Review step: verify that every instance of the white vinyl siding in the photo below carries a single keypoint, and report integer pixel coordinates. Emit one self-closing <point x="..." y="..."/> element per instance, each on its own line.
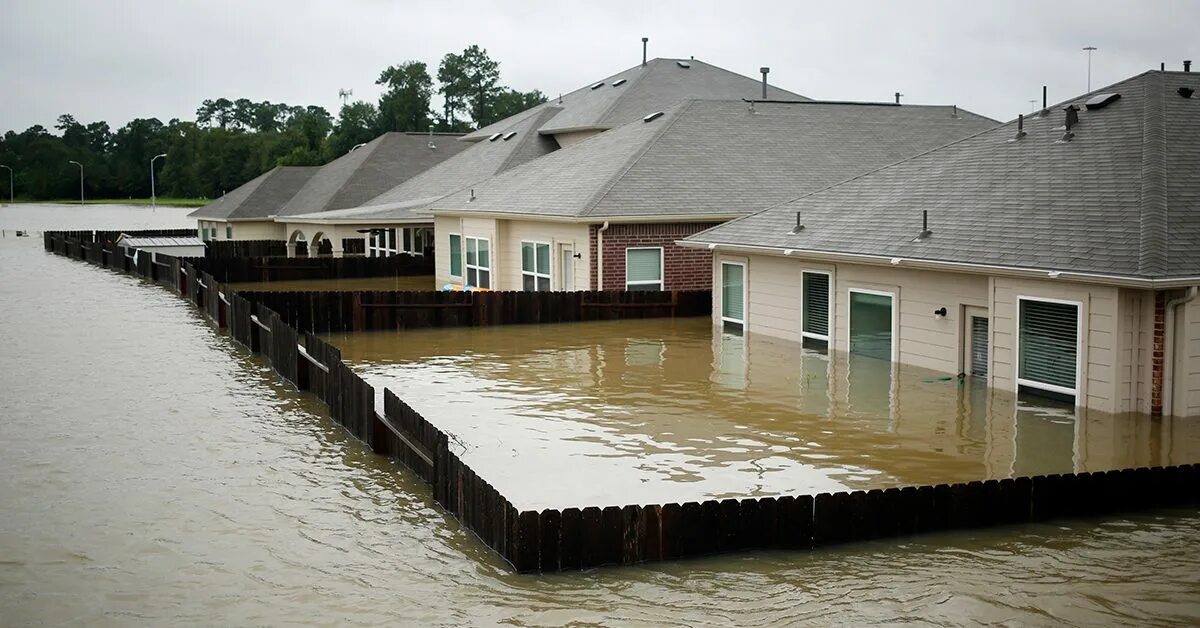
<point x="1048" y="334"/>
<point x="479" y="262"/>
<point x="644" y="268"/>
<point x="535" y="266"/>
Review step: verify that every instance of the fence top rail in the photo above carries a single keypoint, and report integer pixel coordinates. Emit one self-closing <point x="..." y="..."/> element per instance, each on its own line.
<point x="254" y="319"/>
<point x="304" y="354"/>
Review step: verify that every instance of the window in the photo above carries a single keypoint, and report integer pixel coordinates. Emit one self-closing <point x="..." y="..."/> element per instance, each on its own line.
<point x="733" y="293"/>
<point x="204" y="231"/>
<point x="644" y="269"/>
<point x="228" y="232"/>
<point x="535" y="266"/>
<point x="407" y="240"/>
<point x="871" y="324"/>
<point x="382" y="243"/>
<point x="479" y="263"/>
<point x="456" y="255"/>
<point x="814" y="313"/>
<point x="1048" y="346"/>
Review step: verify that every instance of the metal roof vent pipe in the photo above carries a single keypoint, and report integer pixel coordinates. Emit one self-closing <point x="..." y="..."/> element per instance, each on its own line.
<point x="925" y="232"/>
<point x="1045" y="111"/>
<point x="645" y="40"/>
<point x="472" y="199"/>
<point x="799" y="226"/>
<point x="1020" y="127"/>
<point x="1187" y="65"/>
<point x="898" y="95"/>
<point x="765" y="71"/>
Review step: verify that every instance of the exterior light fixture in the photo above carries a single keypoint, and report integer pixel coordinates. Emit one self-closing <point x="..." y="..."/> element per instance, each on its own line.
<point x="939" y="313"/>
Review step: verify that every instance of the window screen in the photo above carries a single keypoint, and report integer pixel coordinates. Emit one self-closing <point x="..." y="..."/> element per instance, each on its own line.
<point x="456" y="255"/>
<point x="1049" y="343"/>
<point x="733" y="292"/>
<point x="643" y="269"/>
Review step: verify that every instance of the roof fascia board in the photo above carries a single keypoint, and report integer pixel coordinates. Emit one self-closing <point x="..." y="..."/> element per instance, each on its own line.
<point x="584" y="219"/>
<point x="965" y="267"/>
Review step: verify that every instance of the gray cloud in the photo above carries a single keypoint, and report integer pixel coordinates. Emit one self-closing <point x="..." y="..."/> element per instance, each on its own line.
<point x="122" y="59"/>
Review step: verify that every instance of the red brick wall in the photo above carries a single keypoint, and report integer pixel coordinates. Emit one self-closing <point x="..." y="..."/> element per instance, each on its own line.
<point x="683" y="269"/>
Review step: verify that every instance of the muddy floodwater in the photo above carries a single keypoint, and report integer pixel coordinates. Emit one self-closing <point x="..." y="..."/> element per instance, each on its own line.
<point x="661" y="410"/>
<point x="420" y="282"/>
<point x="152" y="473"/>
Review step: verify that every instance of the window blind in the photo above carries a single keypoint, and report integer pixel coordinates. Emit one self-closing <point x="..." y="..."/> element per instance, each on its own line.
<point x="1049" y="342"/>
<point x="816" y="303"/>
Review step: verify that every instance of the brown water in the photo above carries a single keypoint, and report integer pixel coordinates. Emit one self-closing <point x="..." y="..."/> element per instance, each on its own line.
<point x="154" y="474"/>
<point x="661" y="411"/>
<point x="421" y="282"/>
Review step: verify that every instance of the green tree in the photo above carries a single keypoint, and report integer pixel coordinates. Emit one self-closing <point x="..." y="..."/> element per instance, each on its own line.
<point x="469" y="82"/>
<point x="510" y="102"/>
<point x="404" y="104"/>
<point x="356" y="124"/>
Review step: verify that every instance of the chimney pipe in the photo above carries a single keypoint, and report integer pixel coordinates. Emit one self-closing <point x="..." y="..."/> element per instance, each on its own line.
<point x="1044" y="110"/>
<point x="644" y="40"/>
<point x="765" y="70"/>
<point x="1020" y="125"/>
<point x="1162" y="66"/>
<point x="898" y="95"/>
<point x="1187" y="65"/>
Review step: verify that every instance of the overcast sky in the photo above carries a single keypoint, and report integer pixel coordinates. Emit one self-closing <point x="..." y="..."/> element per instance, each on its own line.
<point x="115" y="60"/>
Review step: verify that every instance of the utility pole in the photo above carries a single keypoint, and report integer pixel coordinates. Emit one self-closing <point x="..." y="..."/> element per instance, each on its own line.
<point x="153" y="198"/>
<point x="80" y="179"/>
<point x="1090" y="50"/>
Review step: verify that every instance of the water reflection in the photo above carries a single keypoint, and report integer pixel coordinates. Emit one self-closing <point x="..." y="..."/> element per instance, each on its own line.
<point x="656" y="411"/>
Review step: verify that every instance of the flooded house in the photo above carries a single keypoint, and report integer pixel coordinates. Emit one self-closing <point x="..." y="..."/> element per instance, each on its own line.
<point x="1056" y="255"/>
<point x="398" y="221"/>
<point x="606" y="212"/>
<point x="249" y="212"/>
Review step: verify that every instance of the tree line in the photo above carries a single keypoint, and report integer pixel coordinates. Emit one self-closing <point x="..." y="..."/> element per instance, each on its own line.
<point x="234" y="140"/>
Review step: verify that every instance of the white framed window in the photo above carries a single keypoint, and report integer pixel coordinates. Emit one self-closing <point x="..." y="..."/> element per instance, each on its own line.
<point x="1048" y="339"/>
<point x="873" y="323"/>
<point x="644" y="268"/>
<point x="733" y="294"/>
<point x="456" y="253"/>
<point x="228" y="232"/>
<point x="204" y="231"/>
<point x="479" y="262"/>
<point x="816" y="308"/>
<point x="535" y="266"/>
<point x="382" y="243"/>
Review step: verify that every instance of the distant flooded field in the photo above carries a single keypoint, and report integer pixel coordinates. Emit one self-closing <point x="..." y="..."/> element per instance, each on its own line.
<point x="656" y="411"/>
<point x="422" y="282"/>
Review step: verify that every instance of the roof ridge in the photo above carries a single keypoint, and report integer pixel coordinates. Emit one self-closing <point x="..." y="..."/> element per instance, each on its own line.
<point x="634" y="159"/>
<point x="1152" y="222"/>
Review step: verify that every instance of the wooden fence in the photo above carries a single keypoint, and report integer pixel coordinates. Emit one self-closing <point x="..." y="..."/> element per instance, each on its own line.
<point x="580" y="538"/>
<point x="248" y="269"/>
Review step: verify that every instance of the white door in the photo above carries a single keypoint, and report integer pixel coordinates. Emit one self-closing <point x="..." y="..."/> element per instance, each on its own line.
<point x="567" y="267"/>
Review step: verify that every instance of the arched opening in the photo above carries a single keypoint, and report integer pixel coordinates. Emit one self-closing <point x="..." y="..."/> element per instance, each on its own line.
<point x="322" y="244"/>
<point x="298" y="242"/>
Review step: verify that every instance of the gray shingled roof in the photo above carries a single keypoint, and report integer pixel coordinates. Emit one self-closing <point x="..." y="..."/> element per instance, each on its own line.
<point x="362" y="174"/>
<point x="1121" y="198"/>
<point x="660" y="84"/>
<point x="716" y="159"/>
<point x="260" y="197"/>
<point x="475" y="163"/>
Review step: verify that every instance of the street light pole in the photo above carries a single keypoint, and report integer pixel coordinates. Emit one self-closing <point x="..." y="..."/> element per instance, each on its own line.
<point x="80" y="179"/>
<point x="153" y="198"/>
<point x="10" y="183"/>
<point x="1089" y="50"/>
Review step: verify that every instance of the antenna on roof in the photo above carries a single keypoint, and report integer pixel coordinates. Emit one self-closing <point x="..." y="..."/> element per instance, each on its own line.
<point x="644" y="42"/>
<point x="898" y="95"/>
<point x="765" y="71"/>
<point x="345" y="95"/>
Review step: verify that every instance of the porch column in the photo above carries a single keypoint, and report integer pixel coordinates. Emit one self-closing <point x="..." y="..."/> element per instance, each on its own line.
<point x="291" y="249"/>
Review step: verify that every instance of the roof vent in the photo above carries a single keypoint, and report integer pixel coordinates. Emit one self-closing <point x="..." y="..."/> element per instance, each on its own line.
<point x="1187" y="65"/>
<point x="683" y="64"/>
<point x="925" y="232"/>
<point x="1072" y="119"/>
<point x="799" y="227"/>
<point x="494" y="137"/>
<point x="1186" y="92"/>
<point x="1020" y="128"/>
<point x="619" y="82"/>
<point x="598" y="85"/>
<point x="1100" y="101"/>
<point x="654" y="116"/>
<point x="510" y="135"/>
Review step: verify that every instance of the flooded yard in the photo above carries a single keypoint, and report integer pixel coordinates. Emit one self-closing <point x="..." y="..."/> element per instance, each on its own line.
<point x="154" y="473"/>
<point x="657" y="411"/>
